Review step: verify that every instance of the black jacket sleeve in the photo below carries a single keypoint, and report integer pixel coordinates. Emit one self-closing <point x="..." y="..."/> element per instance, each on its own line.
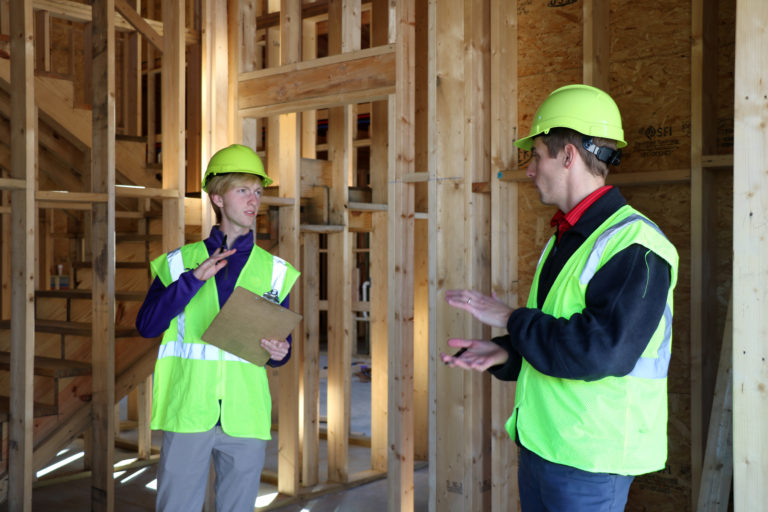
<point x="625" y="301"/>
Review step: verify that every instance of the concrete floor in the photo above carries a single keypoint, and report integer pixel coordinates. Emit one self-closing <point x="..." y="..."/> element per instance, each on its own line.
<point x="134" y="490"/>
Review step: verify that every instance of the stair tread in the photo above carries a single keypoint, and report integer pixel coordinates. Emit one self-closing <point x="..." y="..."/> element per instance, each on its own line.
<point x="82" y="293"/>
<point x="72" y="328"/>
<point x="51" y="366"/>
<point x="39" y="409"/>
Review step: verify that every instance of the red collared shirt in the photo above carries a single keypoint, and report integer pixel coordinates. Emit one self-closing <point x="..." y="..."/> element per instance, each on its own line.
<point x="565" y="221"/>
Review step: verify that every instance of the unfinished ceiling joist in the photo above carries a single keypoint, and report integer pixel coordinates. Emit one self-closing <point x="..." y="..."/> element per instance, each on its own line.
<point x="353" y="77"/>
<point x="12" y="184"/>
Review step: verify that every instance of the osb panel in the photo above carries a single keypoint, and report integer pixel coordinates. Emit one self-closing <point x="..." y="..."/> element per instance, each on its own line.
<point x="61" y="57"/>
<point x="726" y="63"/>
<point x="653" y="95"/>
<point x="549" y="37"/>
<point x="648" y="28"/>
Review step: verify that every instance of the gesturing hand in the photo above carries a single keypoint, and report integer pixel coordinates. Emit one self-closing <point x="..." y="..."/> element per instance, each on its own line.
<point x="214" y="263"/>
<point x="489" y="310"/>
<point x="477" y="354"/>
<point x="277" y="349"/>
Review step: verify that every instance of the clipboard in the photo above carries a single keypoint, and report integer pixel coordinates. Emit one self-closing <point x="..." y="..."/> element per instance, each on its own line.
<point x="244" y="320"/>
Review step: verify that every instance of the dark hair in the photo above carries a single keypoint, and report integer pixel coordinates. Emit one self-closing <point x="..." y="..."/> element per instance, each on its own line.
<point x="557" y="138"/>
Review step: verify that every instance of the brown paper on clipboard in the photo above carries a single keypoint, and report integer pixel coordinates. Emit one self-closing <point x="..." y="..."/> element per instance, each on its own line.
<point x="244" y="320"/>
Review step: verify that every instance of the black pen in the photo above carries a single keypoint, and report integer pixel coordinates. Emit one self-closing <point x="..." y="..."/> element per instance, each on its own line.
<point x="460" y="351"/>
<point x="223" y="244"/>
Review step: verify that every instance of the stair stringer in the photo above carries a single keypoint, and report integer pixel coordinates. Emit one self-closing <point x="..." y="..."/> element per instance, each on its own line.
<point x="55" y="101"/>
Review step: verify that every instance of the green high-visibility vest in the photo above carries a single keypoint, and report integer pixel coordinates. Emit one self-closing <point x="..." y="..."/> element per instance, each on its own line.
<point x="191" y="376"/>
<point x="615" y="424"/>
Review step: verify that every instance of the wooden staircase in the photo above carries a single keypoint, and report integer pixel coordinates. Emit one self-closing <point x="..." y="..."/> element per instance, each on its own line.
<point x="62" y="367"/>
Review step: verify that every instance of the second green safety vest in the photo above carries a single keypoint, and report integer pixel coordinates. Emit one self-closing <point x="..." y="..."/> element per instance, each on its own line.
<point x="615" y="424"/>
<point x="191" y="376"/>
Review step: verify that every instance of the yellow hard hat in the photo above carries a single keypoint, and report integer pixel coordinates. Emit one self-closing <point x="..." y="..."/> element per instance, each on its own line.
<point x="583" y="108"/>
<point x="234" y="159"/>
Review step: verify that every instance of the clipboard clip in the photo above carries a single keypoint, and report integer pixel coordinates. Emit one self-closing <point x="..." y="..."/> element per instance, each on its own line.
<point x="272" y="296"/>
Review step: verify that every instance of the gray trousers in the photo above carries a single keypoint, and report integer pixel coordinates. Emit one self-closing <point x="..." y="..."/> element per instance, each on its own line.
<point x="182" y="473"/>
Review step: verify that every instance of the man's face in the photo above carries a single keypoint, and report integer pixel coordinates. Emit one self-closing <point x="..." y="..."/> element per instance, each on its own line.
<point x="240" y="204"/>
<point x="547" y="173"/>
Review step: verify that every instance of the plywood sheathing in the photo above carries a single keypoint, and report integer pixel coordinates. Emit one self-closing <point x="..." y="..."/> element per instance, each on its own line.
<point x="650" y="80"/>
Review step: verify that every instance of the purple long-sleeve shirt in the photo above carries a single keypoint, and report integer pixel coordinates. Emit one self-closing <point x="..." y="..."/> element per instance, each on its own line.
<point x="163" y="303"/>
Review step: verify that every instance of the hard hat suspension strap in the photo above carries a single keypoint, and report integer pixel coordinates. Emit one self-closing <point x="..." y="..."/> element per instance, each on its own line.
<point x="603" y="153"/>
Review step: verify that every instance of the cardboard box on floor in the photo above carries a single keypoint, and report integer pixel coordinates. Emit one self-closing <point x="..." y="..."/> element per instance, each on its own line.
<point x="244" y="320"/>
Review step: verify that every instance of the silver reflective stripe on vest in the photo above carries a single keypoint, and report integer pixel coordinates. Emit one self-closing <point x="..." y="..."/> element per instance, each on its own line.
<point x="203" y="351"/>
<point x="656" y="367"/>
<point x="646" y="367"/>
<point x="196" y="351"/>
<point x="176" y="266"/>
<point x="602" y="242"/>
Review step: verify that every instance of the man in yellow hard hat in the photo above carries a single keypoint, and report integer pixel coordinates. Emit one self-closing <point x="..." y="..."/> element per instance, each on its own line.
<point x="208" y="402"/>
<point x="590" y="350"/>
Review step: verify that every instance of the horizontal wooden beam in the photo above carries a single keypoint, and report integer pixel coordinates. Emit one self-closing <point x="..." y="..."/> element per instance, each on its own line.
<point x="74" y="11"/>
<point x="623" y="179"/>
<point x="322" y="228"/>
<point x="277" y="201"/>
<point x="61" y="196"/>
<point x="12" y="184"/>
<point x="717" y="161"/>
<point x="65" y="205"/>
<point x="354" y="77"/>
<point x="367" y="207"/>
<point x="145" y="192"/>
<point x="416" y="177"/>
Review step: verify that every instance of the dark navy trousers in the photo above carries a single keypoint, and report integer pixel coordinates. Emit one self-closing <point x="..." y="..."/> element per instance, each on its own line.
<point x="549" y="487"/>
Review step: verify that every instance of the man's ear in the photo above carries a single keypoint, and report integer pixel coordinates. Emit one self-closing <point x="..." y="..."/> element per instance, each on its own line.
<point x="569" y="155"/>
<point x="217" y="200"/>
